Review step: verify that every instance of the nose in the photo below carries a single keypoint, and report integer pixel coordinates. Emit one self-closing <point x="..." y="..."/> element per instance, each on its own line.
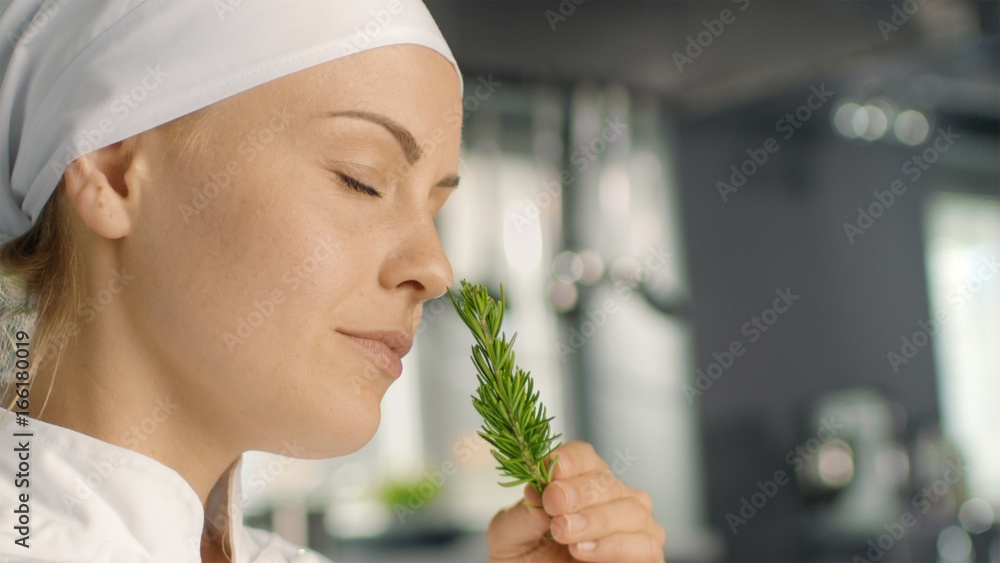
<point x="419" y="262"/>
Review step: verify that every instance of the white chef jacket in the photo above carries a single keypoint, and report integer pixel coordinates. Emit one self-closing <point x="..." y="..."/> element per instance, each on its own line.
<point x="94" y="502"/>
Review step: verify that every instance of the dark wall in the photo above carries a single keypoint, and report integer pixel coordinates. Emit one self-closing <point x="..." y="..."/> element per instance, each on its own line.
<point x="784" y="229"/>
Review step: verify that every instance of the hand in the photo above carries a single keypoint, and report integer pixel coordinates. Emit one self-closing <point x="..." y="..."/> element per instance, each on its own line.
<point x="617" y="524"/>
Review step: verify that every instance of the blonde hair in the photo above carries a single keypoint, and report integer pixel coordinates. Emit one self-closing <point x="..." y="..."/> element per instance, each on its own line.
<point x="40" y="285"/>
<point x="40" y="291"/>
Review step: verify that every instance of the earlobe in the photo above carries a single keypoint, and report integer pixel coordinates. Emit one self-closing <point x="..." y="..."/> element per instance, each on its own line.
<point x="95" y="184"/>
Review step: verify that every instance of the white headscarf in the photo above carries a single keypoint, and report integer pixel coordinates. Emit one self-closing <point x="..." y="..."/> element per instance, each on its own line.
<point x="79" y="75"/>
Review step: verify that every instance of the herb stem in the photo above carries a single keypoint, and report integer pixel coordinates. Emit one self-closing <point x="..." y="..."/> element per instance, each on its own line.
<point x="514" y="420"/>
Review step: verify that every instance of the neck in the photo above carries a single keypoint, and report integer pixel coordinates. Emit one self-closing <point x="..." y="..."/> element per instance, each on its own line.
<point x="104" y="387"/>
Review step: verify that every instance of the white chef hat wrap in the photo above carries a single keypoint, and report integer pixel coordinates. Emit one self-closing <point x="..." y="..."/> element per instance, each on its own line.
<point x="79" y="75"/>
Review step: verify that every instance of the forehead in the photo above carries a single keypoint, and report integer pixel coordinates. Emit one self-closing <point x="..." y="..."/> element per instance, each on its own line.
<point x="412" y="85"/>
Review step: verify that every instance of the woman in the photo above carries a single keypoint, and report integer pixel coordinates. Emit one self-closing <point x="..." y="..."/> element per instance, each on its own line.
<point x="223" y="216"/>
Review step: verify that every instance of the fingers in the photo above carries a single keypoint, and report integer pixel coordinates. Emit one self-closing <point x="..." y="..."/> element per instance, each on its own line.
<point x="624" y="515"/>
<point x="596" y="515"/>
<point x="514" y="529"/>
<point x="593" y="514"/>
<point x="531" y="496"/>
<point x="576" y="458"/>
<point x="620" y="548"/>
<point x="572" y="494"/>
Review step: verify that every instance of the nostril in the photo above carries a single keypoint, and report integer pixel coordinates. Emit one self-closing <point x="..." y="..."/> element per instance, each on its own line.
<point x="418" y="288"/>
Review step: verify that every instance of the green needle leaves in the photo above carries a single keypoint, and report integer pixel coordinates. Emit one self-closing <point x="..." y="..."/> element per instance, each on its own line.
<point x="514" y="420"/>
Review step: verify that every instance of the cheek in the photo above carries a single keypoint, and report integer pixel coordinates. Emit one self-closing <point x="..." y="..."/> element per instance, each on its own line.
<point x="250" y="286"/>
<point x="240" y="300"/>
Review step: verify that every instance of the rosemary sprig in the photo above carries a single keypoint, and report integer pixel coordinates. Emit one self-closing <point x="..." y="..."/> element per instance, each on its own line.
<point x="514" y="419"/>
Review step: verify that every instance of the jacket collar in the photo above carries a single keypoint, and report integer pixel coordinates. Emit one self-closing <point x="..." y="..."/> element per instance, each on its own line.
<point x="95" y="499"/>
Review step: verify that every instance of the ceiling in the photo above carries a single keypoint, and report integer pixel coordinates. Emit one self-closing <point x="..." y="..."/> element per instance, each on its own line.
<point x="768" y="46"/>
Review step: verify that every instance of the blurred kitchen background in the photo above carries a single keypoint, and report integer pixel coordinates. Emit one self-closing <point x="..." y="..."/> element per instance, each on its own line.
<point x="750" y="250"/>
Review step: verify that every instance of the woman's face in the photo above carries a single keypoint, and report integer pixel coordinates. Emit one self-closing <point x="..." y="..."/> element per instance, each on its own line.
<point x="252" y="260"/>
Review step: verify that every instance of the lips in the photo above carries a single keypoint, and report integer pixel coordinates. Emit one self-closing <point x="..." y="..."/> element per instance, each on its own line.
<point x="386" y="347"/>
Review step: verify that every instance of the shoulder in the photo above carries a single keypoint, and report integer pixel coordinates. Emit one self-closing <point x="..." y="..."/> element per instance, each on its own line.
<point x="271" y="544"/>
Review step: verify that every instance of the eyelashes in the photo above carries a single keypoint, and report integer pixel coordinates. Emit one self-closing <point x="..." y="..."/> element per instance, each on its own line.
<point x="358" y="186"/>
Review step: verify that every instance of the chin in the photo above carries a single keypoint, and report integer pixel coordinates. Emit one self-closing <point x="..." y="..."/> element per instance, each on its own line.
<point x="359" y="434"/>
<point x="335" y="436"/>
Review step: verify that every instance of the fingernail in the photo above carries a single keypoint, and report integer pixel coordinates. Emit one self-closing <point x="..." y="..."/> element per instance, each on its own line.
<point x="575" y="522"/>
<point x="563" y="466"/>
<point x="586" y="545"/>
<point x="567" y="493"/>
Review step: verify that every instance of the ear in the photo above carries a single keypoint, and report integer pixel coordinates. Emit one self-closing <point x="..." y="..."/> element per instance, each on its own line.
<point x="96" y="186"/>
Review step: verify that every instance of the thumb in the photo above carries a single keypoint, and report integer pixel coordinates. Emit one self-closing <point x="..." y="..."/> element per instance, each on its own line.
<point x="518" y="529"/>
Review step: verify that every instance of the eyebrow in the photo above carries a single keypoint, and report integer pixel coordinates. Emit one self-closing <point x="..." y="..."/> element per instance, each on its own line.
<point x="406" y="139"/>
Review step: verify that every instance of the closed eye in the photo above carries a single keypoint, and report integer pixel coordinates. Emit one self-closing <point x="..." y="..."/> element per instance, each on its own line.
<point x="358" y="186"/>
